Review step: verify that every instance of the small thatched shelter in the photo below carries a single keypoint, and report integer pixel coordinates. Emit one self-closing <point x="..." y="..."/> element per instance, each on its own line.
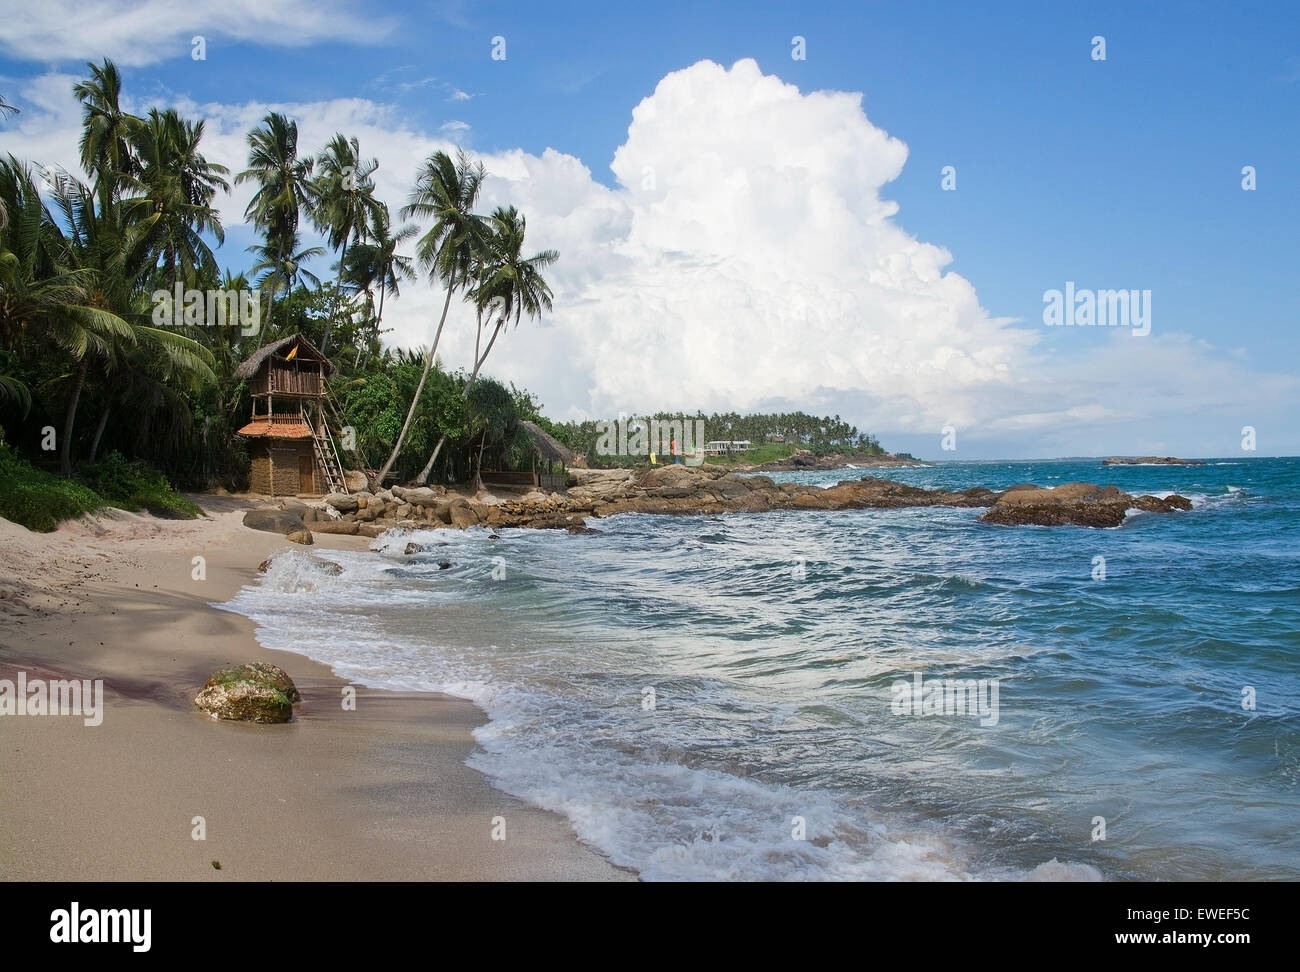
<point x="550" y="459"/>
<point x="548" y="447"/>
<point x="555" y="456"/>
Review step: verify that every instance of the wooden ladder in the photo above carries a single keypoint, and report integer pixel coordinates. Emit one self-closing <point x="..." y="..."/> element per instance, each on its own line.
<point x="364" y="466"/>
<point x="326" y="457"/>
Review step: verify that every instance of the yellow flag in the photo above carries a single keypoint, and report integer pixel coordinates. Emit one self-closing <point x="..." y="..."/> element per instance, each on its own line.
<point x="289" y="356"/>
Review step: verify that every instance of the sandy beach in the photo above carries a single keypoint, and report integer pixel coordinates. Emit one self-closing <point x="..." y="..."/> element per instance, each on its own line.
<point x="379" y="793"/>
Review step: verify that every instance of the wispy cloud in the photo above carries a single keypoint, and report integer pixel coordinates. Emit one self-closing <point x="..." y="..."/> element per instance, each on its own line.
<point x="405" y="87"/>
<point x="135" y="33"/>
<point x="392" y="82"/>
<point x="455" y="130"/>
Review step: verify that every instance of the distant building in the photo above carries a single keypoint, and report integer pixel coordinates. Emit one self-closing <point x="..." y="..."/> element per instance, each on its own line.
<point x="723" y="447"/>
<point x="775" y="437"/>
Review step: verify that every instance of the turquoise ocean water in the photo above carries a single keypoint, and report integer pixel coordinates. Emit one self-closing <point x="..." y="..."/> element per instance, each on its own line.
<point x="713" y="697"/>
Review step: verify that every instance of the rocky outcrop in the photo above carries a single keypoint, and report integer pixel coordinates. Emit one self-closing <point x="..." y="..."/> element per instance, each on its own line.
<point x="676" y="489"/>
<point x="1150" y="461"/>
<point x="805" y="459"/>
<point x="1076" y="504"/>
<point x="249" y="693"/>
<point x="703" y="490"/>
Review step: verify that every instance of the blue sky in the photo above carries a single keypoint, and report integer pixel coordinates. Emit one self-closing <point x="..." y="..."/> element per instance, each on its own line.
<point x="1123" y="173"/>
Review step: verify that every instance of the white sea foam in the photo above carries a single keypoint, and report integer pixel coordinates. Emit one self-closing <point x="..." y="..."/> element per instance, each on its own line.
<point x="1057" y="871"/>
<point x="589" y="753"/>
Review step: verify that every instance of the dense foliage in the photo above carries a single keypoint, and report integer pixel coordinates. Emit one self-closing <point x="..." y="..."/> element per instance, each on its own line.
<point x="98" y="362"/>
<point x="773" y="435"/>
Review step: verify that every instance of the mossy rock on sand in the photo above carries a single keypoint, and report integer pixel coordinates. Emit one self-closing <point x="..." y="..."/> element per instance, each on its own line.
<point x="249" y="693"/>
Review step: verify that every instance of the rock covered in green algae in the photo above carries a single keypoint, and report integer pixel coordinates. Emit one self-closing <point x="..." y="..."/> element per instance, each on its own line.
<point x="249" y="693"/>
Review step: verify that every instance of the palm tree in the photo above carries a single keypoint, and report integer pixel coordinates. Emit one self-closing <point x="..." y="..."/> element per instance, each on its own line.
<point x="375" y="263"/>
<point x="445" y="191"/>
<point x="509" y="285"/>
<point x="100" y="247"/>
<point x="344" y="205"/>
<point x="284" y="185"/>
<point x="106" y="131"/>
<point x="6" y="108"/>
<point x="282" y="270"/>
<point x="511" y="281"/>
<point x="176" y="188"/>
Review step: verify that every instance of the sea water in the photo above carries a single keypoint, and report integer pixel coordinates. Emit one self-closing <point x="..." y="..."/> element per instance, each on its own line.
<point x="714" y="697"/>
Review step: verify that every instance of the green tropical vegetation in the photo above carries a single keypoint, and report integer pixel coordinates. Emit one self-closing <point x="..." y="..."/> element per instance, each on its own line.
<point x="94" y="393"/>
<point x="775" y="436"/>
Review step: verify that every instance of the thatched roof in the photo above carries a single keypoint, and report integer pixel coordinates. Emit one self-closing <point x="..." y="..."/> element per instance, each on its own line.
<point x="548" y="447"/>
<point x="305" y="350"/>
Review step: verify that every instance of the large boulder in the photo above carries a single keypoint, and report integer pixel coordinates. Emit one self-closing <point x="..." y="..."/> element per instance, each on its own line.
<point x="302" y="536"/>
<point x="668" y="476"/>
<point x="463" y="516"/>
<point x="355" y="479"/>
<point x="1074" y="504"/>
<point x="419" y="496"/>
<point x="249" y="693"/>
<point x="346" y="527"/>
<point x="600" y="484"/>
<point x="283" y="522"/>
<point x="343" y="502"/>
<point x="1162" y="504"/>
<point x="1080" y="514"/>
<point x="1067" y="494"/>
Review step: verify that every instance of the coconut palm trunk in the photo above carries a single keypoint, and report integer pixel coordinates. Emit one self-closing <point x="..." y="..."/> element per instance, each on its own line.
<point x="65" y="448"/>
<point x="478" y="364"/>
<point x="478" y="469"/>
<point x="424" y="376"/>
<point x="99" y="432"/>
<point x="334" y="304"/>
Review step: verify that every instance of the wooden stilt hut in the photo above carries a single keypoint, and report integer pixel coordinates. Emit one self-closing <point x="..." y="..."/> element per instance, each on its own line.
<point x="289" y="442"/>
